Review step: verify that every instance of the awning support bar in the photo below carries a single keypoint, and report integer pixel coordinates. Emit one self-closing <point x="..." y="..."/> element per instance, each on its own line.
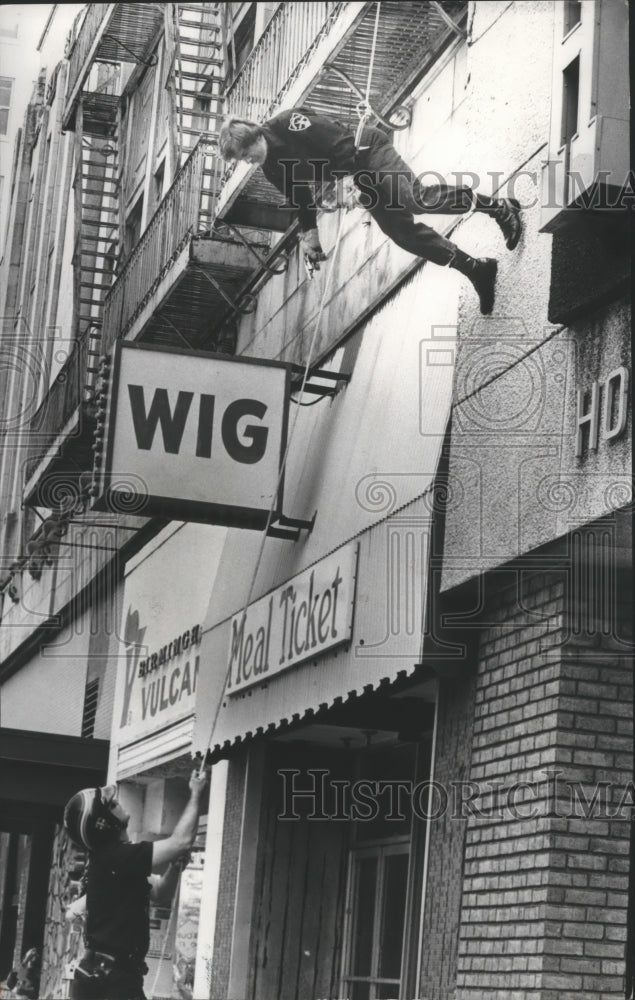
<point x="461" y="32"/>
<point x="290" y="527"/>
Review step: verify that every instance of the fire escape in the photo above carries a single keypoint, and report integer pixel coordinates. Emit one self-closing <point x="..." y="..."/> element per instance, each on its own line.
<point x="185" y="271"/>
<point x="103" y="51"/>
<point x="326" y="53"/>
<point x="194" y="72"/>
<point x="96" y="218"/>
<point x="96" y="205"/>
<point x="231" y="233"/>
<point x="111" y="49"/>
<point x="217" y="234"/>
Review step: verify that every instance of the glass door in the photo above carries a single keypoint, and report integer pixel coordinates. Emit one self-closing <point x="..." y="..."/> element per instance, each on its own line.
<point x="376" y="920"/>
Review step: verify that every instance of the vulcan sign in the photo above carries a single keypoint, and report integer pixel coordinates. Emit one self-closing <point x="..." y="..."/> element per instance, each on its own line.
<point x="194" y="437"/>
<point x="161" y="687"/>
<point x="311" y="613"/>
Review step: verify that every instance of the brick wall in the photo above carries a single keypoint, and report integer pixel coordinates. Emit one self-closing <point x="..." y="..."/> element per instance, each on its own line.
<point x="544" y="901"/>
<point x="586" y="911"/>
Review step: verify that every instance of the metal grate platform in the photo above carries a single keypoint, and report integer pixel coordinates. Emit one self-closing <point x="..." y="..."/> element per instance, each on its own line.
<point x="410" y="38"/>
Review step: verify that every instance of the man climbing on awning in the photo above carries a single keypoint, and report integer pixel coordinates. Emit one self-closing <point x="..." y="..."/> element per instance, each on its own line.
<point x="299" y="150"/>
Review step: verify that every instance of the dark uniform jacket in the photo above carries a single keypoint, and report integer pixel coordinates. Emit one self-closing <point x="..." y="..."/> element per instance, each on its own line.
<point x="305" y="149"/>
<point x="118" y="898"/>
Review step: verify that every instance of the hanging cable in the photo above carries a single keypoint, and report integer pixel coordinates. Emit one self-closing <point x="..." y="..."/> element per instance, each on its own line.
<point x="365" y="113"/>
<point x="313" y="402"/>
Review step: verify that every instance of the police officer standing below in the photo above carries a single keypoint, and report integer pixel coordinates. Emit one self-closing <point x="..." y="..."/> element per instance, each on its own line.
<point x="118" y="892"/>
<point x="298" y="148"/>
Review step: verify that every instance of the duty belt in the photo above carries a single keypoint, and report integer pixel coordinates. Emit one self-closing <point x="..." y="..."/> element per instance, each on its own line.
<point x="126" y="960"/>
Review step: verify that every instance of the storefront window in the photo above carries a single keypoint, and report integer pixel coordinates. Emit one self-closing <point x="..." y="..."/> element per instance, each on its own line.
<point x="187" y="925"/>
<point x="365" y="898"/>
<point x="378" y="876"/>
<point x="174" y="931"/>
<point x="378" y="908"/>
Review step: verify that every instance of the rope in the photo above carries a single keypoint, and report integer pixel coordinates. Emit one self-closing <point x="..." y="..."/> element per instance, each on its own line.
<point x="168" y="929"/>
<point x="363" y="108"/>
<point x="365" y="113"/>
<point x="283" y="465"/>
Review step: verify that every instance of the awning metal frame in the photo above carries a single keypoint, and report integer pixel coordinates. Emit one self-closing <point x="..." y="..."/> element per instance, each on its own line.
<point x="400" y="109"/>
<point x="221" y="224"/>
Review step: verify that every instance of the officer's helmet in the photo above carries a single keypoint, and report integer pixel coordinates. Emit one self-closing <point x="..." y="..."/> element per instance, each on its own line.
<point x="88" y="818"/>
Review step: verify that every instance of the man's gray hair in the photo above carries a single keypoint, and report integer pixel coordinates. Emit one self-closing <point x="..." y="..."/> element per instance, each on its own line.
<point x="237" y="135"/>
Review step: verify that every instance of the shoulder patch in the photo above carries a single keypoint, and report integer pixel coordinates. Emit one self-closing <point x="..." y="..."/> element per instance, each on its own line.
<point x="298" y="122"/>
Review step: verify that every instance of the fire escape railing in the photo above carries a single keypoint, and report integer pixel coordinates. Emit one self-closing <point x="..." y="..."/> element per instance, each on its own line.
<point x="284" y="48"/>
<point x="189" y="206"/>
<point x="78" y="56"/>
<point x="186" y="209"/>
<point x="60" y="403"/>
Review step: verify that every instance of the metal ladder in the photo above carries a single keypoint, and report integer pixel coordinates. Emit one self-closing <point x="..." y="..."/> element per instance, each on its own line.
<point x="194" y="33"/>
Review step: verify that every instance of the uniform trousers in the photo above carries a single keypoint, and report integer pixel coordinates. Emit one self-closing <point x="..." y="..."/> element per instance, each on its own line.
<point x="393" y="195"/>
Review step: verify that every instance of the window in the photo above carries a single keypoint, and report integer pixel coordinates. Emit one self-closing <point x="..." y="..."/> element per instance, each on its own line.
<point x="202" y="112"/>
<point x="140" y="119"/>
<point x="572" y="14"/>
<point x="157" y="189"/>
<point x="241" y="42"/>
<point x="570" y="94"/>
<point x="91" y="699"/>
<point x="569" y="127"/>
<point x="6" y="86"/>
<point x="133" y="227"/>
<point x="588" y="159"/>
<point x="110" y="261"/>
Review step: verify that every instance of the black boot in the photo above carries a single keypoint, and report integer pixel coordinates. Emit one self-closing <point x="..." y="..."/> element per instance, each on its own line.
<point x="504" y="211"/>
<point x="481" y="272"/>
<point x="507" y="216"/>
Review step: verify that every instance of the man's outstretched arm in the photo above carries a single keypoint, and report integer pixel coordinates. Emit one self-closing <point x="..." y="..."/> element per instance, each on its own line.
<point x="164" y="886"/>
<point x="184" y="832"/>
<point x="298" y="193"/>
